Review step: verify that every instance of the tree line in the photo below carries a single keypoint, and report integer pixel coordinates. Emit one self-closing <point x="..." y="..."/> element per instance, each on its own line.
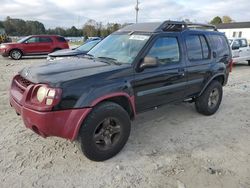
<point x="224" y="19"/>
<point x="19" y="27"/>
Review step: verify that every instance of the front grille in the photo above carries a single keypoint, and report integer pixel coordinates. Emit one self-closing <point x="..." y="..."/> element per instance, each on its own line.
<point x="20" y="84"/>
<point x="23" y="81"/>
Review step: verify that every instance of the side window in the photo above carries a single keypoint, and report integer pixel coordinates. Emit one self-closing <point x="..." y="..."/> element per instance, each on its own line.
<point x="166" y="49"/>
<point x="32" y="40"/>
<point x="45" y="39"/>
<point x="243" y="43"/>
<point x="197" y="47"/>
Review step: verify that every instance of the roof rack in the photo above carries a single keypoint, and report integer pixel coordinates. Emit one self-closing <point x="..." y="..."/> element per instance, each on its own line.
<point x="181" y="26"/>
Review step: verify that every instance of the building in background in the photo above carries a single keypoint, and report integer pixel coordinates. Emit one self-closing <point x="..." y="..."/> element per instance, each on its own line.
<point x="236" y="29"/>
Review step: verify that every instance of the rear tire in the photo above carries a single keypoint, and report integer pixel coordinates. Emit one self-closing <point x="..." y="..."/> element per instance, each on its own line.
<point x="16" y="54"/>
<point x="56" y="49"/>
<point x="210" y="100"/>
<point x="249" y="62"/>
<point x="105" y="131"/>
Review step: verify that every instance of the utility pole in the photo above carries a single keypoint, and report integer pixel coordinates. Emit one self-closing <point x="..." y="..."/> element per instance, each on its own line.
<point x="137" y="11"/>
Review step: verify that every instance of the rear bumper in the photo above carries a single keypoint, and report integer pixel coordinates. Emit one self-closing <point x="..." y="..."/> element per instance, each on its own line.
<point x="64" y="124"/>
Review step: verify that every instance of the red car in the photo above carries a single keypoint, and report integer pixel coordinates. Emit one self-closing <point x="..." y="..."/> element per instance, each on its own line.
<point x="33" y="45"/>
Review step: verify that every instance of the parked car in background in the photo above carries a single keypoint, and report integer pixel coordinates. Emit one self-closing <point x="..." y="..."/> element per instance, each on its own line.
<point x="240" y="50"/>
<point x="93" y="38"/>
<point x="75" y="52"/>
<point x="33" y="45"/>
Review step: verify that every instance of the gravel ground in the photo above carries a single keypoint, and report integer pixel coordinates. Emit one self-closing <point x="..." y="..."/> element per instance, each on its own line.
<point x="173" y="146"/>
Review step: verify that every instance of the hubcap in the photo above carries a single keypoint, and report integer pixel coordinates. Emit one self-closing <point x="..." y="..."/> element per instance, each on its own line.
<point x="107" y="133"/>
<point x="213" y="98"/>
<point x="16" y="54"/>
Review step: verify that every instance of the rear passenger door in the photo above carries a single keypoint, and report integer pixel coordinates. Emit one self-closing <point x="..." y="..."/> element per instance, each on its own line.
<point x="198" y="61"/>
<point x="165" y="83"/>
<point x="45" y="44"/>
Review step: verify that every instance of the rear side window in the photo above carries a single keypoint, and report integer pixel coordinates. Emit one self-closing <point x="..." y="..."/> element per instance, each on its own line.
<point x="243" y="43"/>
<point x="220" y="45"/>
<point x="61" y="39"/>
<point x="45" y="39"/>
<point x="166" y="49"/>
<point x="197" y="47"/>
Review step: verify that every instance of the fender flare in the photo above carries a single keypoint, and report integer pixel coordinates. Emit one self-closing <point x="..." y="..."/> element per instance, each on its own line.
<point x="131" y="99"/>
<point x="98" y="100"/>
<point x="210" y="80"/>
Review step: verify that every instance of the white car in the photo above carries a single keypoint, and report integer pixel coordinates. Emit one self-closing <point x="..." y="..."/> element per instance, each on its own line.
<point x="240" y="50"/>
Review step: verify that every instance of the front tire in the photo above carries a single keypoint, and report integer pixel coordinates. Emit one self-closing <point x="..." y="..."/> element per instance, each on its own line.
<point x="249" y="62"/>
<point x="210" y="100"/>
<point x="105" y="131"/>
<point x="16" y="54"/>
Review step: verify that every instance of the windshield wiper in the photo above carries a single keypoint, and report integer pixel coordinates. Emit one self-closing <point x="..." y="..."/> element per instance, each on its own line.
<point x="110" y="59"/>
<point x="88" y="56"/>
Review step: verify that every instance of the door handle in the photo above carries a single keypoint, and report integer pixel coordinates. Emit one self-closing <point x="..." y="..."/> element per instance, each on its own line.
<point x="181" y="71"/>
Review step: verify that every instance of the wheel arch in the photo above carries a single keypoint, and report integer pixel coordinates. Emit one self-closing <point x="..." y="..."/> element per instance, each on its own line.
<point x="15" y="49"/>
<point x="56" y="49"/>
<point x="121" y="98"/>
<point x="221" y="78"/>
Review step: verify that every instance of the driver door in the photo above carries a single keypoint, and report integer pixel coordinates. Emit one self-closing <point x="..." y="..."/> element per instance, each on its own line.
<point x="165" y="83"/>
<point x="31" y="45"/>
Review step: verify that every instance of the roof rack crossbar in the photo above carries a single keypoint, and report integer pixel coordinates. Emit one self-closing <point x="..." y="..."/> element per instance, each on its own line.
<point x="181" y="26"/>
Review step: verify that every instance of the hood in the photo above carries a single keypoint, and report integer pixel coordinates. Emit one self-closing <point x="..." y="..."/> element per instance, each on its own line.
<point x="66" y="52"/>
<point x="65" y="70"/>
<point x="10" y="43"/>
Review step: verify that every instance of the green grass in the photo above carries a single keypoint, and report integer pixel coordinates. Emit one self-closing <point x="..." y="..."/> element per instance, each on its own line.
<point x="75" y="43"/>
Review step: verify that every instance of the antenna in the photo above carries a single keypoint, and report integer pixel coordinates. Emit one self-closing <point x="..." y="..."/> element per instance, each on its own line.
<point x="137" y="11"/>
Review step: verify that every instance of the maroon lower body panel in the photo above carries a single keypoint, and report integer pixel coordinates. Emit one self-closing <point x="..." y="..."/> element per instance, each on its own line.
<point x="64" y="124"/>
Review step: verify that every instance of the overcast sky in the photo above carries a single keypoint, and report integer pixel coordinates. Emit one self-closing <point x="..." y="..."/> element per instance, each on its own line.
<point x="66" y="13"/>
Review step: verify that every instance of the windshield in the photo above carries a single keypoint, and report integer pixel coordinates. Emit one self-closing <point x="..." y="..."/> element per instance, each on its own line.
<point x="23" y="39"/>
<point x="87" y="46"/>
<point x="122" y="48"/>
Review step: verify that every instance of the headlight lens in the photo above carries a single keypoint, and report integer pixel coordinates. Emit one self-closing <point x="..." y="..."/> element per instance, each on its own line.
<point x="41" y="94"/>
<point x="2" y="46"/>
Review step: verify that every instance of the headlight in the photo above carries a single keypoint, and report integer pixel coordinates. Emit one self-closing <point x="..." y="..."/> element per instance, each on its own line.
<point x="41" y="94"/>
<point x="2" y="46"/>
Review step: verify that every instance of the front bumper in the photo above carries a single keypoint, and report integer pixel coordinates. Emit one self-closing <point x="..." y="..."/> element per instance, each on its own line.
<point x="64" y="124"/>
<point x="4" y="52"/>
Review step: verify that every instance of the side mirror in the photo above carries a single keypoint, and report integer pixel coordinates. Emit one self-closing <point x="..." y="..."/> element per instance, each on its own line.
<point x="149" y="62"/>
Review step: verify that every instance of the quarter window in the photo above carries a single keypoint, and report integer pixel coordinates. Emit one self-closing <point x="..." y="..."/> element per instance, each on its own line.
<point x="166" y="50"/>
<point x="243" y="43"/>
<point x="197" y="47"/>
<point x="61" y="39"/>
<point x="220" y="45"/>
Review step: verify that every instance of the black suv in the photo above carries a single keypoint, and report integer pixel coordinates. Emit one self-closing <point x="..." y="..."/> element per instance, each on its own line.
<point x="135" y="69"/>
